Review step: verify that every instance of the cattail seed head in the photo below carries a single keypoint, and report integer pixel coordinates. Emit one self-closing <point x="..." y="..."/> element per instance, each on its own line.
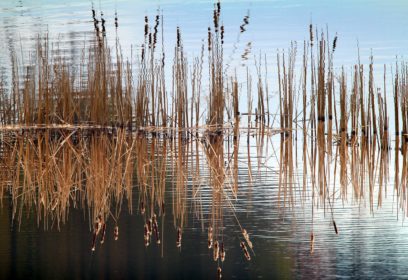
<point x="209" y="39"/>
<point x="178" y="37"/>
<point x="335" y="43"/>
<point x="311" y="34"/>
<point x="146" y="28"/>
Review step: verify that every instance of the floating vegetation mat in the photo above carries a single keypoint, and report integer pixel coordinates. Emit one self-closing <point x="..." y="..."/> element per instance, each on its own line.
<point x="93" y="136"/>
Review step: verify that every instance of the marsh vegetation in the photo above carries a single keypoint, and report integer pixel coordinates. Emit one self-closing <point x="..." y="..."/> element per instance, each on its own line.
<point x="94" y="136"/>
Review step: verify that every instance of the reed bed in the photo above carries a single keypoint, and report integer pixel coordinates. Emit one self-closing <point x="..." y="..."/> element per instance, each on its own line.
<point x="94" y="137"/>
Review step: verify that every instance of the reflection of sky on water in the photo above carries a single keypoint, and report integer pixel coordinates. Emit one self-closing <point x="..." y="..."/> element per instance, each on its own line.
<point x="366" y="245"/>
<point x="378" y="25"/>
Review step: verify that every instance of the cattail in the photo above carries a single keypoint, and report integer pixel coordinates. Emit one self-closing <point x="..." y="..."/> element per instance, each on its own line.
<point x="222" y="34"/>
<point x="98" y="225"/>
<point x="142" y="206"/>
<point x="245" y="250"/>
<point x="219" y="273"/>
<point x="157" y="236"/>
<point x="178" y="37"/>
<point x="216" y="251"/>
<point x="103" y="233"/>
<point x="116" y="233"/>
<point x="94" y="18"/>
<point x="246" y="20"/>
<point x="335" y="227"/>
<point x="156" y="228"/>
<point x="210" y="237"/>
<point x="103" y="25"/>
<point x="215" y="20"/>
<point x="246" y="236"/>
<point x="95" y="233"/>
<point x="311" y="34"/>
<point x="146" y="235"/>
<point x="222" y="252"/>
<point x="96" y="22"/>
<point x="93" y="242"/>
<point x="155" y="31"/>
<point x="178" y="241"/>
<point x="311" y="243"/>
<point x="149" y="226"/>
<point x="335" y="43"/>
<point x="116" y="20"/>
<point x="146" y="27"/>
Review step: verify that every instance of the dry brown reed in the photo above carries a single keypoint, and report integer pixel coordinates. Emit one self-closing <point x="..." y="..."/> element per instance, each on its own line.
<point x="92" y="139"/>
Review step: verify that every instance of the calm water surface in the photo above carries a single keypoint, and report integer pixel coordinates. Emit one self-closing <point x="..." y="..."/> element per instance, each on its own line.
<point x="368" y="246"/>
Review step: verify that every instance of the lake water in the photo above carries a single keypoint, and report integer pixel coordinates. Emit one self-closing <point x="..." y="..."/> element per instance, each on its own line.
<point x="368" y="246"/>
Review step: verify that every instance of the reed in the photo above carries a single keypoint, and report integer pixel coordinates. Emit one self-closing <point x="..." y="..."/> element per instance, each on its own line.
<point x="95" y="138"/>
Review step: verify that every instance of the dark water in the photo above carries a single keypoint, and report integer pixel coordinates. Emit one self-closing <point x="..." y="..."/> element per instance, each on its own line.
<point x="368" y="246"/>
<point x="32" y="252"/>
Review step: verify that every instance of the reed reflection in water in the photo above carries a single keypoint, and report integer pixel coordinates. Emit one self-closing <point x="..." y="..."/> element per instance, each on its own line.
<point x="198" y="167"/>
